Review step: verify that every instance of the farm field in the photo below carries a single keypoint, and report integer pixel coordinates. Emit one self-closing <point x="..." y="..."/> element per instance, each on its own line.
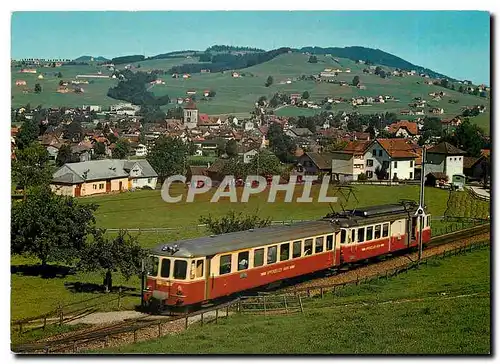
<point x="483" y="121"/>
<point x="442" y="308"/>
<point x="237" y="96"/>
<point x="146" y="209"/>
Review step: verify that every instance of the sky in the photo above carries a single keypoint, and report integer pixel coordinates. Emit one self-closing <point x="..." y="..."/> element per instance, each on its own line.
<point x="454" y="43"/>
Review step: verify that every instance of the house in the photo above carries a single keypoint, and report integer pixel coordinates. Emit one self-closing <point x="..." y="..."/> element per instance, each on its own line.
<point x="102" y="176"/>
<point x="437" y="110"/>
<point x="294" y="98"/>
<point x="391" y="158"/>
<point x="191" y="92"/>
<point x="476" y="168"/>
<point x="349" y="163"/>
<point x="186" y="76"/>
<point x="247" y="153"/>
<point x="141" y="150"/>
<point x="206" y="93"/>
<point x="235" y="75"/>
<point x="195" y="171"/>
<point x="20" y="83"/>
<point x="315" y="163"/>
<point x="403" y="129"/>
<point x="444" y="158"/>
<point x="81" y="152"/>
<point x="299" y="132"/>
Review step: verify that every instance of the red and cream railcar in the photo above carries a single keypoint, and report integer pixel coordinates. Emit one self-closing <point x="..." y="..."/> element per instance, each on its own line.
<point x="193" y="271"/>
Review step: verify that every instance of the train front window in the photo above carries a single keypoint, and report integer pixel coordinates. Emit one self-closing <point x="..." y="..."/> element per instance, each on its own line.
<point x="180" y="269"/>
<point x="152" y="266"/>
<point x="165" y="268"/>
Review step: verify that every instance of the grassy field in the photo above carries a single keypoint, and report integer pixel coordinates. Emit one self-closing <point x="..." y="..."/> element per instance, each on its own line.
<point x="414" y="313"/>
<point x="483" y="121"/>
<point x="238" y="95"/>
<point x="34" y="295"/>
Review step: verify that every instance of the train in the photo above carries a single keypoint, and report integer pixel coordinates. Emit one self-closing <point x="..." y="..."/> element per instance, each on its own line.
<point x="192" y="272"/>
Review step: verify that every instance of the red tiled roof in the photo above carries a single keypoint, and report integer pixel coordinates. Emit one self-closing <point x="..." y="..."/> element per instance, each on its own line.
<point x="399" y="147"/>
<point x="358" y="146"/>
<point x="191" y="105"/>
<point x="204" y="118"/>
<point x="410" y="126"/>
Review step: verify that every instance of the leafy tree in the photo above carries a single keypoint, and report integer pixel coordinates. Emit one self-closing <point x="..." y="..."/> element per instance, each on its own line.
<point x="265" y="163"/>
<point x="461" y="89"/>
<point x="280" y="143"/>
<point x="50" y="227"/>
<point x="432" y="128"/>
<point x="313" y="59"/>
<point x="122" y="149"/>
<point x="74" y="131"/>
<point x="212" y="93"/>
<point x="175" y="113"/>
<point x="444" y="83"/>
<point x="262" y="101"/>
<point x="122" y="253"/>
<point x="152" y="113"/>
<point x="168" y="156"/>
<point x="305" y="95"/>
<point x="269" y="81"/>
<point x="205" y="57"/>
<point x="306" y="122"/>
<point x="64" y="156"/>
<point x="355" y="81"/>
<point x="234" y="221"/>
<point x="377" y="70"/>
<point x="59" y="75"/>
<point x="381" y="173"/>
<point x="362" y="177"/>
<point x="112" y="137"/>
<point x="232" y="148"/>
<point x="452" y="86"/>
<point x="38" y="88"/>
<point x="30" y="168"/>
<point x="383" y="74"/>
<point x="27" y="134"/>
<point x="468" y="137"/>
<point x="99" y="149"/>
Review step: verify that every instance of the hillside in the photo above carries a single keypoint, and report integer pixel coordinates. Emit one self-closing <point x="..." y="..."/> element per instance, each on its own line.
<point x="90" y="58"/>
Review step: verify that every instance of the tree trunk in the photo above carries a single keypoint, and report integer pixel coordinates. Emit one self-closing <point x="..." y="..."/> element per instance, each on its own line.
<point x="108" y="282"/>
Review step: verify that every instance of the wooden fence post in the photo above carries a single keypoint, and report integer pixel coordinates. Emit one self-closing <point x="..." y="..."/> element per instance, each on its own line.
<point x="186" y="324"/>
<point x="202" y="319"/>
<point x="159" y="328"/>
<point x="216" y="314"/>
<point x="265" y="312"/>
<point x="135" y="336"/>
<point x="227" y="311"/>
<point x="61" y="315"/>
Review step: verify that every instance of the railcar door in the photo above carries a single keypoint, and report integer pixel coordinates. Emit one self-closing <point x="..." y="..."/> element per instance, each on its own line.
<point x="208" y="278"/>
<point x="413" y="234"/>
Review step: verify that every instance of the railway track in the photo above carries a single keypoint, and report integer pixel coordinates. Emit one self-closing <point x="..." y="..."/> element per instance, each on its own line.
<point x="155" y="326"/>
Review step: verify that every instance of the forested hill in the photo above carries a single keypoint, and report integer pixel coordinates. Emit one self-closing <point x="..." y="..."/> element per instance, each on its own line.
<point x="375" y="56"/>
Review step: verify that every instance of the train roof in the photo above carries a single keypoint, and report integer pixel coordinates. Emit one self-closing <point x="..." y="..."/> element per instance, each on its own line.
<point x="214" y="244"/>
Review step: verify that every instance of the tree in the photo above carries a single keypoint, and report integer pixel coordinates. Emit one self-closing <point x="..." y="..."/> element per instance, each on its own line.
<point x="175" y="113"/>
<point x="50" y="227"/>
<point x="234" y="221"/>
<point x="99" y="149"/>
<point x="59" y="75"/>
<point x="264" y="163"/>
<point x="280" y="143"/>
<point x="122" y="149"/>
<point x="232" y="148"/>
<point x="211" y="93"/>
<point x="461" y="89"/>
<point x="269" y="81"/>
<point x="262" y="101"/>
<point x="152" y="113"/>
<point x="27" y="134"/>
<point x="432" y="128"/>
<point x="444" y="83"/>
<point x="122" y="253"/>
<point x="205" y="57"/>
<point x="305" y="95"/>
<point x="377" y="70"/>
<point x="168" y="156"/>
<point x="30" y="168"/>
<point x="38" y="88"/>
<point x="468" y="137"/>
<point x="112" y="137"/>
<point x="355" y="81"/>
<point x="313" y="59"/>
<point x="64" y="156"/>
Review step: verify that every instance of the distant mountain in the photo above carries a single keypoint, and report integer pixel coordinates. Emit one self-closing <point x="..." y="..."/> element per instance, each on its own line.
<point x="375" y="56"/>
<point x="88" y="59"/>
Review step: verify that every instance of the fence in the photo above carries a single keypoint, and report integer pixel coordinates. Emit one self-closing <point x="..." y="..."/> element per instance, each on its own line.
<point x="272" y="303"/>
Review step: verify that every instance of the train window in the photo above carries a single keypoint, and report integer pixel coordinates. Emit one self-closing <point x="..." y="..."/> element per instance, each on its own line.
<point x="308" y="246"/>
<point x="272" y="254"/>
<point x="353" y="235"/>
<point x="165" y="268"/>
<point x="225" y="264"/>
<point x="342" y="236"/>
<point x="329" y="242"/>
<point x="369" y="233"/>
<point x="199" y="268"/>
<point x="318" y="247"/>
<point x="361" y="234"/>
<point x="378" y="231"/>
<point x="242" y="260"/>
<point x="284" y="251"/>
<point x="180" y="269"/>
<point x="258" y="257"/>
<point x="297" y="249"/>
<point x="385" y="230"/>
<point x="152" y="266"/>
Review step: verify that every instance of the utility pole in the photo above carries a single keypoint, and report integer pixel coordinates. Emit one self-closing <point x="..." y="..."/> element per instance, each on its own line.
<point x="420" y="211"/>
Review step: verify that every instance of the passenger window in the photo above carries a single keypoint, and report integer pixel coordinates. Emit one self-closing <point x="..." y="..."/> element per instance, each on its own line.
<point x="369" y="233"/>
<point x="385" y="230"/>
<point x="199" y="268"/>
<point x="152" y="266"/>
<point x="272" y="253"/>
<point x="329" y="242"/>
<point x="242" y="260"/>
<point x="165" y="268"/>
<point x="342" y="236"/>
<point x="225" y="264"/>
<point x="378" y="230"/>
<point x="297" y="249"/>
<point x="361" y="235"/>
<point x="258" y="257"/>
<point x="308" y="245"/>
<point x="284" y="251"/>
<point x="318" y="247"/>
<point x="353" y="235"/>
<point x="180" y="269"/>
